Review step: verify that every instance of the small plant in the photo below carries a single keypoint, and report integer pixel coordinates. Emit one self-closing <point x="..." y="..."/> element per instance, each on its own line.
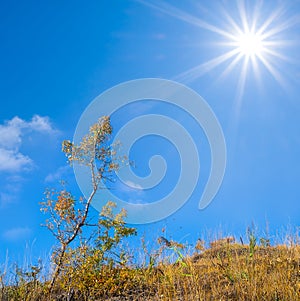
<point x="175" y="247"/>
<point x="68" y="215"/>
<point x="265" y="242"/>
<point x="252" y="240"/>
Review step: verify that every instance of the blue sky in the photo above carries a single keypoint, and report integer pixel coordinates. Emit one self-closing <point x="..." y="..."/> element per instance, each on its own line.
<point x="57" y="57"/>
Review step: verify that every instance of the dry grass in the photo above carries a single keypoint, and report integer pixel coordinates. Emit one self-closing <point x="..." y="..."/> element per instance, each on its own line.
<point x="224" y="271"/>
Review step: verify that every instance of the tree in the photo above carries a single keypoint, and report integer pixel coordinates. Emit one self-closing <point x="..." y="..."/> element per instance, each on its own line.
<point x="67" y="215"/>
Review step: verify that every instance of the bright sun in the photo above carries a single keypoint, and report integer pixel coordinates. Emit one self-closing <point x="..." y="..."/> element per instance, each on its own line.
<point x="250" y="39"/>
<point x="250" y="44"/>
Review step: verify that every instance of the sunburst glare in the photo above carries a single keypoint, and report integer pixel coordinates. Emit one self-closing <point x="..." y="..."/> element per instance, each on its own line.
<point x="250" y="39"/>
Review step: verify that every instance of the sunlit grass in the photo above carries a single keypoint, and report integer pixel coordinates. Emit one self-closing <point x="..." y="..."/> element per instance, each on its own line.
<point x="224" y="269"/>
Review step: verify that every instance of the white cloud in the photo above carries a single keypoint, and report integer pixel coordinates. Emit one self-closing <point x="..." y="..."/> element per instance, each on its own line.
<point x="41" y="124"/>
<point x="17" y="233"/>
<point x="12" y="160"/>
<point x="11" y="134"/>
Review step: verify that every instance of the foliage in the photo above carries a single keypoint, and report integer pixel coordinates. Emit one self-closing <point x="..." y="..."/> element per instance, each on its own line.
<point x="68" y="216"/>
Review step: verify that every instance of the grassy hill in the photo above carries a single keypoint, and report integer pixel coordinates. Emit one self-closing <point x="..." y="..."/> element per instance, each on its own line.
<point x="224" y="270"/>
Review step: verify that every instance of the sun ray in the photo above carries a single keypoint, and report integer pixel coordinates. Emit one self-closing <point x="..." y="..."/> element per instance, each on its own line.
<point x="256" y="12"/>
<point x="231" y="66"/>
<point x="280" y="43"/>
<point x="231" y="22"/>
<point x="241" y="83"/>
<point x="282" y="27"/>
<point x="272" y="70"/>
<point x="274" y="15"/>
<point x="188" y="18"/>
<point x="243" y="16"/>
<point x="255" y="66"/>
<point x="199" y="70"/>
<point x="278" y="55"/>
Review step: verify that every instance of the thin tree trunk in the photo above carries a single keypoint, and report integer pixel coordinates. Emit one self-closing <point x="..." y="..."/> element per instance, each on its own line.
<point x="69" y="240"/>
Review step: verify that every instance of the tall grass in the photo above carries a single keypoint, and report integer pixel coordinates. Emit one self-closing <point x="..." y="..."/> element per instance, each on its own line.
<point x="219" y="270"/>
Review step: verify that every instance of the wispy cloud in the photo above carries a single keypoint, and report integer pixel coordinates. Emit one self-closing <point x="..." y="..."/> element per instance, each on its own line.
<point x="10" y="187"/>
<point x="6" y="199"/>
<point x="132" y="192"/>
<point x="11" y="134"/>
<point x="133" y="185"/>
<point x="17" y="233"/>
<point x="159" y="36"/>
<point x="59" y="174"/>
